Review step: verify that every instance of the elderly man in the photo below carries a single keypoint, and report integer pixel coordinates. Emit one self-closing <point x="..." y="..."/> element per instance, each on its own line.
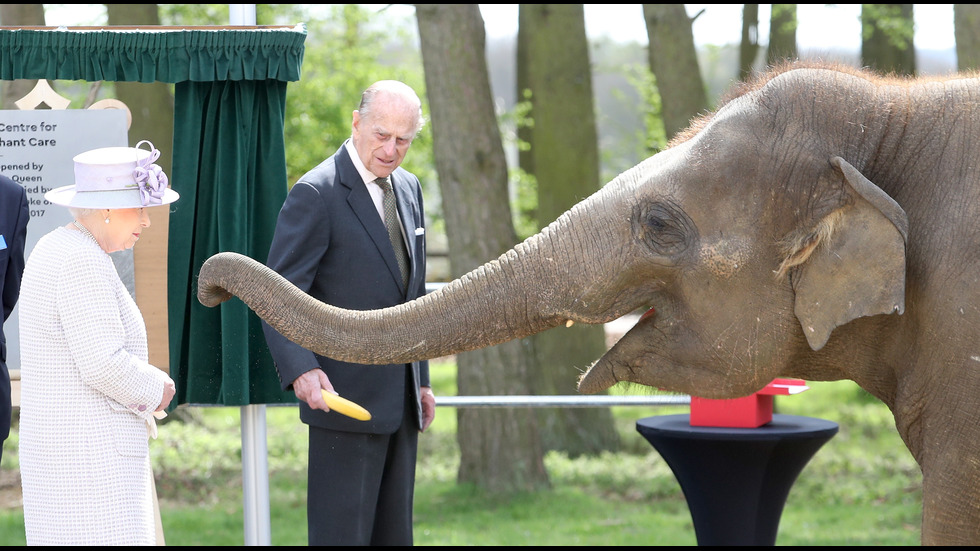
<point x="351" y="233"/>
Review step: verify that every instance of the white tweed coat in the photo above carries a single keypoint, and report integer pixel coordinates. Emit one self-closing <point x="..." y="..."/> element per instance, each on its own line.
<point x="87" y="399"/>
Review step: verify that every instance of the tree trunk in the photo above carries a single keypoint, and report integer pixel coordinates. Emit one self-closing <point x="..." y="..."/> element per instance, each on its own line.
<point x="500" y="448"/>
<point x="782" y="33"/>
<point x="553" y="59"/>
<point x="17" y="15"/>
<point x="886" y="38"/>
<point x="966" y="28"/>
<point x="674" y="63"/>
<point x="748" y="49"/>
<point x="152" y="108"/>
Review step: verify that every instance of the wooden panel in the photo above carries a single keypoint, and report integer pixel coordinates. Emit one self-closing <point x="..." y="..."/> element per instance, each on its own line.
<point x="150" y="274"/>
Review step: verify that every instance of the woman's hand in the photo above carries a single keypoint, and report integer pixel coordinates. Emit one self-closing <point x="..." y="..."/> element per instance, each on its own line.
<point x="169" y="390"/>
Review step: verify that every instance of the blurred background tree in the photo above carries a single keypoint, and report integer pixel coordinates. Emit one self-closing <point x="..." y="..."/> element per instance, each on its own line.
<point x="782" y="33"/>
<point x="887" y="32"/>
<point x="749" y="47"/>
<point x="966" y="28"/>
<point x="500" y="450"/>
<point x="674" y="63"/>
<point x="554" y="74"/>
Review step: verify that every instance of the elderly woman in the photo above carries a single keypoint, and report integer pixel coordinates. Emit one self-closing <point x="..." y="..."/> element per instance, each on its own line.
<point x="88" y="395"/>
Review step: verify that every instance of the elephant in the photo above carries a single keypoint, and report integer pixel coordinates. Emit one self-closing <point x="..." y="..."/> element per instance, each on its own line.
<point x="821" y="223"/>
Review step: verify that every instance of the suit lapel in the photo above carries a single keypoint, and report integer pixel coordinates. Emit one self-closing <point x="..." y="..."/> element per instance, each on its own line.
<point x="363" y="206"/>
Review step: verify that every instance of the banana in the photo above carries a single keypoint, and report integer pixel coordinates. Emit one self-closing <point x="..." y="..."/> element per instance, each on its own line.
<point x="345" y="406"/>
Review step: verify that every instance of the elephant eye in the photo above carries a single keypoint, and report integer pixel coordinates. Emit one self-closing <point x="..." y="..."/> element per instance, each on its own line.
<point x="665" y="228"/>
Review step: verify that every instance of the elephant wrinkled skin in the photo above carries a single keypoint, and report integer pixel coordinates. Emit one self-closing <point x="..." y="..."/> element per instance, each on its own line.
<point x="822" y="224"/>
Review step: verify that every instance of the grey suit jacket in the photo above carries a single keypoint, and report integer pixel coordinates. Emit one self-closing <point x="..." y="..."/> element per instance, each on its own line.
<point x="331" y="243"/>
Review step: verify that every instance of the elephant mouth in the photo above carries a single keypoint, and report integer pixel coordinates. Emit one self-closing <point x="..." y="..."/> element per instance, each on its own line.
<point x="627" y="359"/>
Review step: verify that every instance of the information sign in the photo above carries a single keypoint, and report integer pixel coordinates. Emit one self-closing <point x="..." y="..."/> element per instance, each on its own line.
<point x="36" y="151"/>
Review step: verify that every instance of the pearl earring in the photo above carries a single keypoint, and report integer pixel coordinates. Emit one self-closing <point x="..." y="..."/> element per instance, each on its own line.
<point x="107" y="220"/>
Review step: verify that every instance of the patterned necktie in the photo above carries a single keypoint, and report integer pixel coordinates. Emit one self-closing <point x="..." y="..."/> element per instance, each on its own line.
<point x="394" y="228"/>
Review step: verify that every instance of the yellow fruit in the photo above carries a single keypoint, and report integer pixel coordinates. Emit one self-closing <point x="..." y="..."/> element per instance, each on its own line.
<point x="345" y="406"/>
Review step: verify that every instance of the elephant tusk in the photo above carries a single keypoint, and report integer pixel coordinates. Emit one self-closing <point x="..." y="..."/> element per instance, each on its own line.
<point x="649" y="313"/>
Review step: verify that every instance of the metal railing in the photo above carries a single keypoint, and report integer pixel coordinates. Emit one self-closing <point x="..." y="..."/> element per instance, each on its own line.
<point x="561" y="401"/>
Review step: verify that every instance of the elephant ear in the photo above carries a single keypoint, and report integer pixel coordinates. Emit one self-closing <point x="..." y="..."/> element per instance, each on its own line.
<point x="859" y="269"/>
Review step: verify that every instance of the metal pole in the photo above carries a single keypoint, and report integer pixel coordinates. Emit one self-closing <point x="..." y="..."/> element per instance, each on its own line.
<point x="241" y="14"/>
<point x="255" y="476"/>
<point x="255" y="467"/>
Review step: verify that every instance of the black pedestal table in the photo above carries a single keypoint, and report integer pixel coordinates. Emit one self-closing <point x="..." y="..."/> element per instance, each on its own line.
<point x="736" y="480"/>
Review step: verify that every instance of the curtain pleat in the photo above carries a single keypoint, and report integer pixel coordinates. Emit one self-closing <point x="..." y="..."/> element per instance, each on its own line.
<point x="149" y="56"/>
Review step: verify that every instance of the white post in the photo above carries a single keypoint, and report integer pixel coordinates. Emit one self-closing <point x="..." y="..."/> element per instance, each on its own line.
<point x="255" y="476"/>
<point x="255" y="465"/>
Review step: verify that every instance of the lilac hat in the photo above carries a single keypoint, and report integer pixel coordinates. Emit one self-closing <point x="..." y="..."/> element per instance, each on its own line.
<point x="116" y="178"/>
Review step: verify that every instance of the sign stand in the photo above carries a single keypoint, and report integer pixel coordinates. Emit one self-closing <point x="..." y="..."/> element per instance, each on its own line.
<point x="255" y="476"/>
<point x="255" y="466"/>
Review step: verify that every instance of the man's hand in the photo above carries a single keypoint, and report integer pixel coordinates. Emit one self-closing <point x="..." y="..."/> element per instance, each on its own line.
<point x="307" y="388"/>
<point x="428" y="406"/>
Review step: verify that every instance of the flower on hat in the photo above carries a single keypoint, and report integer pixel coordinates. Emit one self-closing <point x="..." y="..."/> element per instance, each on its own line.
<point x="150" y="178"/>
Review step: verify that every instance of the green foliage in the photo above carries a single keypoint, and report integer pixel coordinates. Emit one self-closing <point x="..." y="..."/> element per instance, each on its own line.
<point x="786" y="13"/>
<point x="219" y="14"/>
<point x="194" y="14"/>
<point x="523" y="185"/>
<point x="655" y="137"/>
<point x="888" y="19"/>
<point x="524" y="203"/>
<point x="627" y="105"/>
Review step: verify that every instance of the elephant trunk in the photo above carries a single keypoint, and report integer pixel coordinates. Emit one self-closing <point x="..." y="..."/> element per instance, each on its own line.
<point x="556" y="276"/>
<point x="488" y="306"/>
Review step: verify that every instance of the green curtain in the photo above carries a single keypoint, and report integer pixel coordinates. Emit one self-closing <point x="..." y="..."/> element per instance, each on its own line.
<point x="231" y="134"/>
<point x="229" y="167"/>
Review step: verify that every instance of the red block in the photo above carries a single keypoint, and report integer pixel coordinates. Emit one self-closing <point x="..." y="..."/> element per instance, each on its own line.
<point x="749" y="411"/>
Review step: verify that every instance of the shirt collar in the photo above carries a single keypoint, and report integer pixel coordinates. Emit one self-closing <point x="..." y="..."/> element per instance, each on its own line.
<point x="365" y="174"/>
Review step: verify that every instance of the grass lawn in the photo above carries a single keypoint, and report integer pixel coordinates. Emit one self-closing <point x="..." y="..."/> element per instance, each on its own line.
<point x="861" y="488"/>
